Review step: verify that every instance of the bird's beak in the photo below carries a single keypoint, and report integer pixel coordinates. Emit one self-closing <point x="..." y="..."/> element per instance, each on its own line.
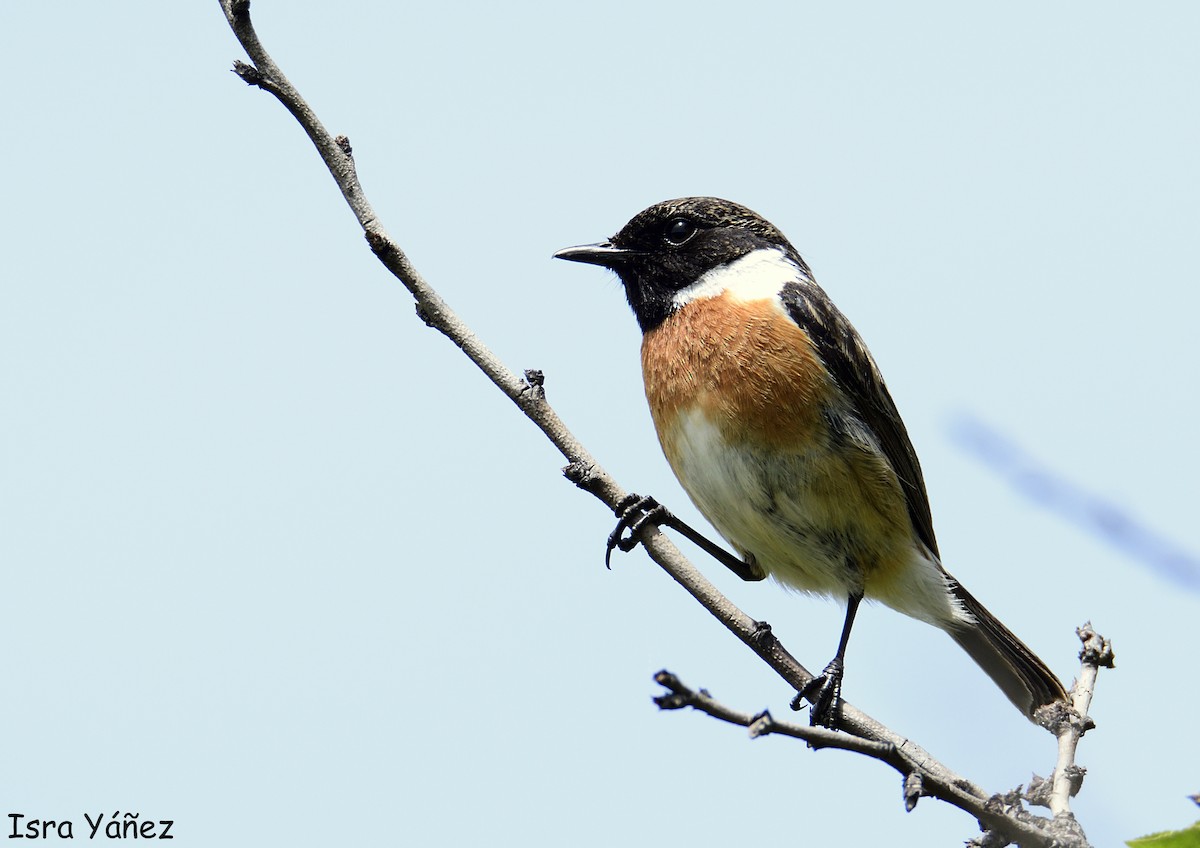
<point x="604" y="253"/>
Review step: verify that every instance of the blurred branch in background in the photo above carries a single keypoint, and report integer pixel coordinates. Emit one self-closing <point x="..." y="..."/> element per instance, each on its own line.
<point x="1041" y="484"/>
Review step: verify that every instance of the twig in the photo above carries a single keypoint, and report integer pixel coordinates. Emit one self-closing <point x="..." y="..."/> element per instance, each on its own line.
<point x="762" y="724"/>
<point x="528" y="394"/>
<point x="336" y="152"/>
<point x="1096" y="652"/>
<point x="1069" y="725"/>
<point x="1002" y="816"/>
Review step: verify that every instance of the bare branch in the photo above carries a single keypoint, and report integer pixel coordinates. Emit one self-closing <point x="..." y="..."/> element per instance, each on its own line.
<point x="1003" y="817"/>
<point x="762" y="724"/>
<point x="923" y="774"/>
<point x="1074" y="722"/>
<point x="336" y="152"/>
<point x="583" y="470"/>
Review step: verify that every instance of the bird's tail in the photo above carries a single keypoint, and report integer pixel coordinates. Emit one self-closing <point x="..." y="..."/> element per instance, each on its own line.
<point x="1018" y="672"/>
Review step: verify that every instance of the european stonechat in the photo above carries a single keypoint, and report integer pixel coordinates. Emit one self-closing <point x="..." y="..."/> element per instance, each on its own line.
<point x="777" y="422"/>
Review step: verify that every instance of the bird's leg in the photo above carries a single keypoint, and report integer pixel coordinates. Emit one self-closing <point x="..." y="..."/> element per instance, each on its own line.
<point x="824" y="692"/>
<point x="635" y="512"/>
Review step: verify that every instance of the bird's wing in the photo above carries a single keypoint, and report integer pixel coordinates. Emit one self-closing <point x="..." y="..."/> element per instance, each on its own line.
<point x="852" y="367"/>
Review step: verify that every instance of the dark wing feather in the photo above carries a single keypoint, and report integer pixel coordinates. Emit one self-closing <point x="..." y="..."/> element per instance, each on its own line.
<point x="851" y="365"/>
<point x="1024" y="678"/>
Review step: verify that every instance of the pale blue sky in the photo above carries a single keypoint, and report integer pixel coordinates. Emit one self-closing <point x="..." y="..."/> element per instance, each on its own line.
<point x="277" y="562"/>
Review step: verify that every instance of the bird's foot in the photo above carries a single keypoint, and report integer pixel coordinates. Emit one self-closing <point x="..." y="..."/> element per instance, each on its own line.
<point x="633" y="513"/>
<point x="824" y="692"/>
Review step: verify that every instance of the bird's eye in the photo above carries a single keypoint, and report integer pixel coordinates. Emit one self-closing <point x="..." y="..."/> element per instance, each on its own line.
<point x="678" y="231"/>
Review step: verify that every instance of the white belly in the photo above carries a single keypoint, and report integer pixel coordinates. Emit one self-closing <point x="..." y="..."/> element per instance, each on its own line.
<point x="829" y="520"/>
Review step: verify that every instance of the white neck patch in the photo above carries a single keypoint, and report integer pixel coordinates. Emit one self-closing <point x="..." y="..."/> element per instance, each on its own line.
<point x="758" y="275"/>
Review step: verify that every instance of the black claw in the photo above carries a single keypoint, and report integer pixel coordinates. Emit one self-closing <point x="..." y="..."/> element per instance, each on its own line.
<point x="633" y="513"/>
<point x="626" y="502"/>
<point x="614" y="539"/>
<point x="824" y="692"/>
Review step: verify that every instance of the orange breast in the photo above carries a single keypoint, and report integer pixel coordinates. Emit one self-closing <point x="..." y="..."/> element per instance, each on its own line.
<point x="747" y="366"/>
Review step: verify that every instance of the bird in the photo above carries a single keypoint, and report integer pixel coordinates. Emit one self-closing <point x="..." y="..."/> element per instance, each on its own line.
<point x="778" y="425"/>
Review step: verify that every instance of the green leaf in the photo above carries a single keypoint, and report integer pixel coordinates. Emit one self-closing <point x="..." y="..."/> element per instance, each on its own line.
<point x="1189" y="838"/>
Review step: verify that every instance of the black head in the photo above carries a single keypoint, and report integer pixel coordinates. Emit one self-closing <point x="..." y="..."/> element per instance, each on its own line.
<point x="672" y="244"/>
